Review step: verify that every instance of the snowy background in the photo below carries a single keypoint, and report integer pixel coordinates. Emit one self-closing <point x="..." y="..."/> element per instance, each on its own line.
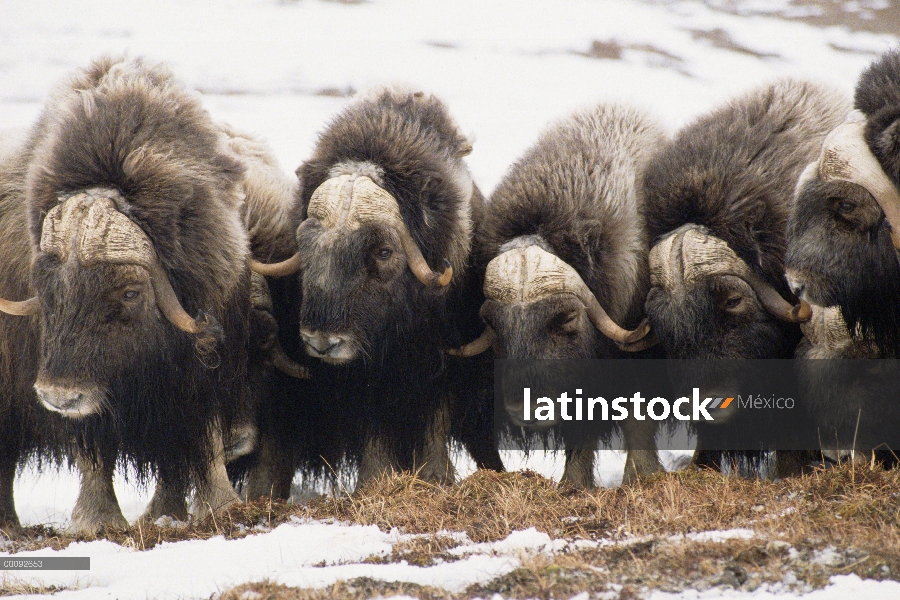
<point x="506" y="68"/>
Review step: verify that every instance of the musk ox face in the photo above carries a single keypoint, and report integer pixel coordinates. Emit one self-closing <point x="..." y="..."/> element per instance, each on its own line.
<point x="103" y="297"/>
<point x="842" y="248"/>
<point x="554" y="327"/>
<point x="537" y="307"/>
<point x="705" y="302"/>
<point x="839" y="250"/>
<point x="98" y="324"/>
<point x="357" y="270"/>
<point x="354" y="283"/>
<point x="725" y="317"/>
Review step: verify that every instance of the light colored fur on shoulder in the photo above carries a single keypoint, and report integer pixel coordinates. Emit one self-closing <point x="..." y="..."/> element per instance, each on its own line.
<point x="269" y="194"/>
<point x="607" y="148"/>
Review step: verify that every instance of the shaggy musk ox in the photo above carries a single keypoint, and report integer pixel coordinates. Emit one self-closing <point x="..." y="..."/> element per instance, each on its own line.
<point x="121" y="218"/>
<point x="843" y="252"/>
<point x="717" y="205"/>
<point x="563" y="249"/>
<point x="384" y="208"/>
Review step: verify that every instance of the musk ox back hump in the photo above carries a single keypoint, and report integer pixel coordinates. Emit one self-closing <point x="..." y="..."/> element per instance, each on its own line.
<point x="734" y="170"/>
<point x="578" y="189"/>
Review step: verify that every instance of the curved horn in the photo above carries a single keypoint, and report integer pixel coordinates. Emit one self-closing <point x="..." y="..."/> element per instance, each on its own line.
<point x="279" y="269"/>
<point x="170" y="306"/>
<point x="706" y="255"/>
<point x="530" y="273"/>
<point x="773" y="301"/>
<point x="417" y="262"/>
<point x="25" y="308"/>
<point x="349" y="200"/>
<point x="846" y="157"/>
<point x="476" y="347"/>
<point x="284" y="363"/>
<point x="642" y="344"/>
<point x="605" y="324"/>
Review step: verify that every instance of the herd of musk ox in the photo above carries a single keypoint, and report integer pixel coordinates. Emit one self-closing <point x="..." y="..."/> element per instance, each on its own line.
<point x="173" y="302"/>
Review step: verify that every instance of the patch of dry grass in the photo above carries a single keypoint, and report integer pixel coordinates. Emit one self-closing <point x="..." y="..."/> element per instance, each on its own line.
<point x="808" y="528"/>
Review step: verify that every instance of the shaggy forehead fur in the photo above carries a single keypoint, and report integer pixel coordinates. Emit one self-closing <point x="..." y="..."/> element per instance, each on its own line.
<point x="416" y="149"/>
<point x="578" y="189"/>
<point x="878" y="96"/>
<point x="129" y="126"/>
<point x="734" y="170"/>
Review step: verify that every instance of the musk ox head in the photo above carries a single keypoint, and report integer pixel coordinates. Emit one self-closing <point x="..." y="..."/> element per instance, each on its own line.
<point x="538" y="307"/>
<point x="718" y="200"/>
<point x="564" y="247"/>
<point x="102" y="293"/>
<point x="385" y="198"/>
<point x="135" y="214"/>
<point x="842" y="245"/>
<point x="706" y="302"/>
<point x="852" y="402"/>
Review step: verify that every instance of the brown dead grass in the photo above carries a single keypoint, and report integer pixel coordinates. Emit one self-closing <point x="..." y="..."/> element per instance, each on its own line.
<point x="850" y="516"/>
<point x="12" y="587"/>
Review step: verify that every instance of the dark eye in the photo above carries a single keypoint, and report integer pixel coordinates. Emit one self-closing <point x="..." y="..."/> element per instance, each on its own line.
<point x="384" y="253"/>
<point x="733" y="302"/>
<point x="845" y="208"/>
<point x="130" y="295"/>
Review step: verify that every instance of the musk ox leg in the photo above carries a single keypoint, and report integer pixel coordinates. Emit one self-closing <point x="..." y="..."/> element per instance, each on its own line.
<point x="435" y="465"/>
<point x="486" y="455"/>
<point x="215" y="491"/>
<point x="706" y="459"/>
<point x="791" y="463"/>
<point x="168" y="500"/>
<point x="579" y="470"/>
<point x="378" y="459"/>
<point x="97" y="508"/>
<point x="9" y="520"/>
<point x="272" y="475"/>
<point x="642" y="459"/>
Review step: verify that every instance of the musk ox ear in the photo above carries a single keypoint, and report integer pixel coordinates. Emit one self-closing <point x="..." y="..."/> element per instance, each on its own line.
<point x="883" y="137"/>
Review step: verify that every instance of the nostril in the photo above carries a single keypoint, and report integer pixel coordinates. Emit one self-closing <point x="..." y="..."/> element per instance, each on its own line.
<point x="72" y="401"/>
<point x="322" y="345"/>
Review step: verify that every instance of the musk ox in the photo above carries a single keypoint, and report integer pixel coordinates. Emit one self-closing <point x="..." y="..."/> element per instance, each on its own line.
<point x="122" y="218"/>
<point x="384" y="213"/>
<point x="845" y="217"/>
<point x="842" y="254"/>
<point x="717" y="204"/>
<point x="563" y="248"/>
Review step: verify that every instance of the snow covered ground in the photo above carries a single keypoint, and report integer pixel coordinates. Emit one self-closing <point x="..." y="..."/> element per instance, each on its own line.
<point x="506" y="68"/>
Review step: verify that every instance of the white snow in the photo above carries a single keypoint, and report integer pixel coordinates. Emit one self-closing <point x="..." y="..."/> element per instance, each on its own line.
<point x="507" y="69"/>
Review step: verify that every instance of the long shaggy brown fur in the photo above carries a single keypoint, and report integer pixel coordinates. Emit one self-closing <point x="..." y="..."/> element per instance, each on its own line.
<point x="129" y="126"/>
<point x="578" y="188"/>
